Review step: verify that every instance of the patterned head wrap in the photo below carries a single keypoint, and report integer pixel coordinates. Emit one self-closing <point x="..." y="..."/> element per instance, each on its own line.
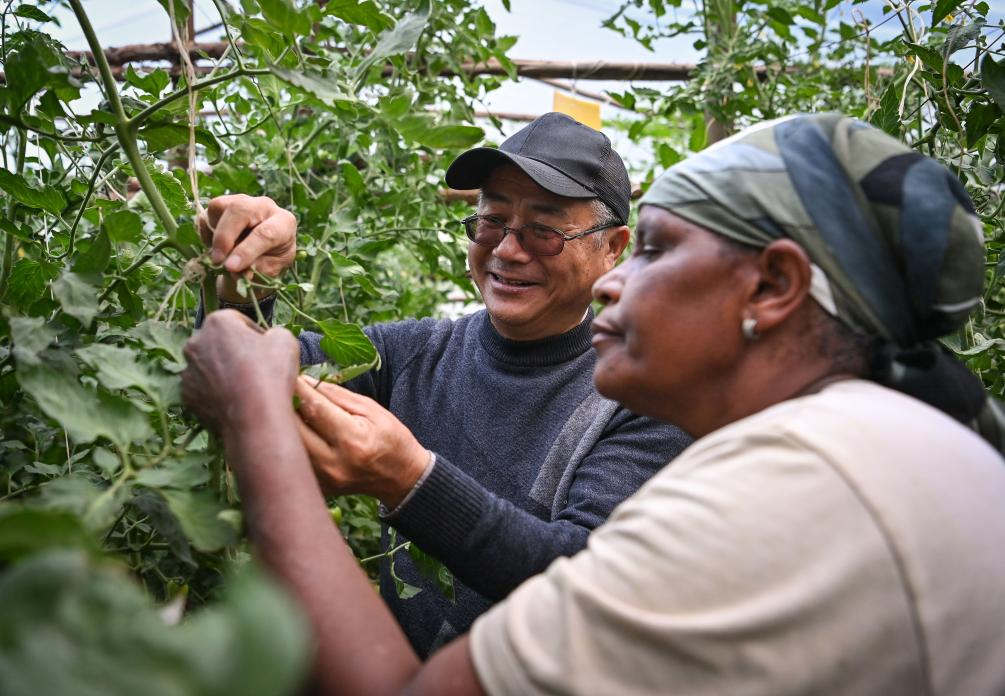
<point x="897" y="250"/>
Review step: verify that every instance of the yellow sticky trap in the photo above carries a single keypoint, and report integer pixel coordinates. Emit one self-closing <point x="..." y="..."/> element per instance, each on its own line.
<point x="586" y="112"/>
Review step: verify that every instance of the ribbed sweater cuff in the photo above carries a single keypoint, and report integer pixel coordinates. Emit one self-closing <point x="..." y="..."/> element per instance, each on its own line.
<point x="444" y="510"/>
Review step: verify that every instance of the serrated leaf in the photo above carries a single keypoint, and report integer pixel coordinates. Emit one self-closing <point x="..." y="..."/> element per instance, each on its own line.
<point x="344" y="267"/>
<point x="364" y="13"/>
<point x="24" y="531"/>
<point x="397" y="40"/>
<point x="199" y="515"/>
<point x="284" y="16"/>
<point x="153" y="83"/>
<point x="315" y="84"/>
<point x="96" y="257"/>
<point x="117" y="368"/>
<point x="353" y="180"/>
<point x="73" y="625"/>
<point x="185" y="473"/>
<point x="32" y="13"/>
<point x="28" y="281"/>
<point x="887" y="116"/>
<point x="84" y="413"/>
<point x="960" y="35"/>
<point x="78" y="297"/>
<point x="123" y="226"/>
<point x="160" y="335"/>
<point x="449" y="137"/>
<point x="943" y="8"/>
<point x="346" y="345"/>
<point x="171" y="190"/>
<point x="31" y="335"/>
<point x="44" y="197"/>
<point x="993" y="79"/>
<point x="164" y="136"/>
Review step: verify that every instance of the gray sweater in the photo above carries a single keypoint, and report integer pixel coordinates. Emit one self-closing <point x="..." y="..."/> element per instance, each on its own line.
<point x="529" y="458"/>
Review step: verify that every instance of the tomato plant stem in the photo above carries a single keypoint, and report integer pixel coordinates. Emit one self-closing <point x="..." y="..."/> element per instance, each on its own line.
<point x="10" y="245"/>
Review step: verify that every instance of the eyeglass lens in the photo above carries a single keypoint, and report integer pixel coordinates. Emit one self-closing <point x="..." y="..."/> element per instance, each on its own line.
<point x="535" y="239"/>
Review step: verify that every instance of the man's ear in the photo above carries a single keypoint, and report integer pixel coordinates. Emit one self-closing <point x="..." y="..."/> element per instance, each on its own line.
<point x="617" y="240"/>
<point x="783" y="283"/>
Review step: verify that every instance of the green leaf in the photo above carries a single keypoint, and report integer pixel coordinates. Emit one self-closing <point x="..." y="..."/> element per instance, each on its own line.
<point x="347" y="346"/>
<point x="199" y="515"/>
<point x="449" y="137"/>
<point x="75" y="626"/>
<point x="84" y="413"/>
<point x="960" y="35"/>
<point x="153" y="83"/>
<point x="284" y="16"/>
<point x="28" y="281"/>
<point x="123" y="226"/>
<point x="344" y="267"/>
<point x="78" y="298"/>
<point x="46" y="198"/>
<point x="364" y="13"/>
<point x="980" y="118"/>
<point x="314" y="84"/>
<point x="25" y="530"/>
<point x="993" y="79"/>
<point x="164" y="136"/>
<point x="186" y="473"/>
<point x="401" y="38"/>
<point x="943" y="8"/>
<point x="172" y="191"/>
<point x="353" y="181"/>
<point x="117" y="368"/>
<point x="181" y="10"/>
<point x="887" y="116"/>
<point x="160" y="335"/>
<point x="32" y="13"/>
<point x="31" y="335"/>
<point x="96" y="257"/>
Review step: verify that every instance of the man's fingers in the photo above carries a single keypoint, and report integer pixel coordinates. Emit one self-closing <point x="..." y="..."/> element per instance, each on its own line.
<point x="350" y="401"/>
<point x="205" y="229"/>
<point x="234" y="221"/>
<point x="275" y="236"/>
<point x="324" y="417"/>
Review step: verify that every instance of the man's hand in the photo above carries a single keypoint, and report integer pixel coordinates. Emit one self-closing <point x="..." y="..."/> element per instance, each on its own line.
<point x="246" y="233"/>
<point x="356" y="445"/>
<point x="224" y="384"/>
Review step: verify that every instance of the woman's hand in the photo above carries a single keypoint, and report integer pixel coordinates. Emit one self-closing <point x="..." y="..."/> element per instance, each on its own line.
<point x="236" y="369"/>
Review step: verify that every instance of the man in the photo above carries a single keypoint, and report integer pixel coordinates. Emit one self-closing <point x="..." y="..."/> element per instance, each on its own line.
<point x="500" y="455"/>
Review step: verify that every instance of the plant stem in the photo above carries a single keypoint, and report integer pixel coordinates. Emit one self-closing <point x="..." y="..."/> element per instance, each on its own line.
<point x="136" y="121"/>
<point x="10" y="246"/>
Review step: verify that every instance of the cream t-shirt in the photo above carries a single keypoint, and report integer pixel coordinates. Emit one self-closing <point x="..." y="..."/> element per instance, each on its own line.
<point x="850" y="542"/>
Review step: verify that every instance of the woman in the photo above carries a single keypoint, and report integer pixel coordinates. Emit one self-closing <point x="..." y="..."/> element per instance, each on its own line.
<point x="826" y="535"/>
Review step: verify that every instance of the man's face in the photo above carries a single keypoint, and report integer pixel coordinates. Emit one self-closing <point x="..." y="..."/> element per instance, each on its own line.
<point x="533" y="297"/>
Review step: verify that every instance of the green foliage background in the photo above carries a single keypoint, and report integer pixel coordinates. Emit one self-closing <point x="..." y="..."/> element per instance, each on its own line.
<point x="113" y="499"/>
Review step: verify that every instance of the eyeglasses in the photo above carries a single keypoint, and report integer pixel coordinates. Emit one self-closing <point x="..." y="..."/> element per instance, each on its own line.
<point x="536" y="239"/>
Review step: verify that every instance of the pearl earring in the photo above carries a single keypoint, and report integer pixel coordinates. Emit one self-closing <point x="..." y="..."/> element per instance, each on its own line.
<point x="749" y="329"/>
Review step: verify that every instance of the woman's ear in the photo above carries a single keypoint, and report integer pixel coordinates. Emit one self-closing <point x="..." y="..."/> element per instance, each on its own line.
<point x="783" y="283"/>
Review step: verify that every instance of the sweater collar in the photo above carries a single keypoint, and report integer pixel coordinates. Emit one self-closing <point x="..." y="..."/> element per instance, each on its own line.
<point x="546" y="351"/>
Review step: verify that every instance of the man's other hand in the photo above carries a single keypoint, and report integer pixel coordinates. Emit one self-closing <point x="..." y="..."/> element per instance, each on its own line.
<point x="248" y="233"/>
<point x="356" y="445"/>
<point x="225" y="385"/>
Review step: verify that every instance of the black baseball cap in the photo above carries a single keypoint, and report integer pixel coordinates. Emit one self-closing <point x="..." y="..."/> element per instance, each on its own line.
<point x="561" y="155"/>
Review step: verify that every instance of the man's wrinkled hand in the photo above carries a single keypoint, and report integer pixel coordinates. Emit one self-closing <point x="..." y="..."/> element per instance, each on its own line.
<point x="247" y="234"/>
<point x="225" y="384"/>
<point x="356" y="445"/>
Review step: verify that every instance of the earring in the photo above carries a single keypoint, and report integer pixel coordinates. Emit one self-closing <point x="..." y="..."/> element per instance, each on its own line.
<point x="748" y="327"/>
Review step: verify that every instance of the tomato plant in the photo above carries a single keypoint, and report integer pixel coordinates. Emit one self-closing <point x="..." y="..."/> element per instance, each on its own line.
<point x="335" y="110"/>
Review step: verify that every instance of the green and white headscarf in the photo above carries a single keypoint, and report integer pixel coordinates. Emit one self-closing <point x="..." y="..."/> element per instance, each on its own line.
<point x="897" y="250"/>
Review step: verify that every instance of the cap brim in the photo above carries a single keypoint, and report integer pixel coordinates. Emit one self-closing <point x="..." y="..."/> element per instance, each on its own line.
<point x="470" y="170"/>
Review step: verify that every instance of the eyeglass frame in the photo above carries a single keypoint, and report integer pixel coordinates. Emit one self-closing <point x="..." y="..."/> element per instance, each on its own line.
<point x="518" y="231"/>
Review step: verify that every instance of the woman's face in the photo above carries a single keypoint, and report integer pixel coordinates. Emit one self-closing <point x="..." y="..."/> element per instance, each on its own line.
<point x="668" y="339"/>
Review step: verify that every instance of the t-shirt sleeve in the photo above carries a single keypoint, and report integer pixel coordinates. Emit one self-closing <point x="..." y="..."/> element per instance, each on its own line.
<point x="741" y="569"/>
